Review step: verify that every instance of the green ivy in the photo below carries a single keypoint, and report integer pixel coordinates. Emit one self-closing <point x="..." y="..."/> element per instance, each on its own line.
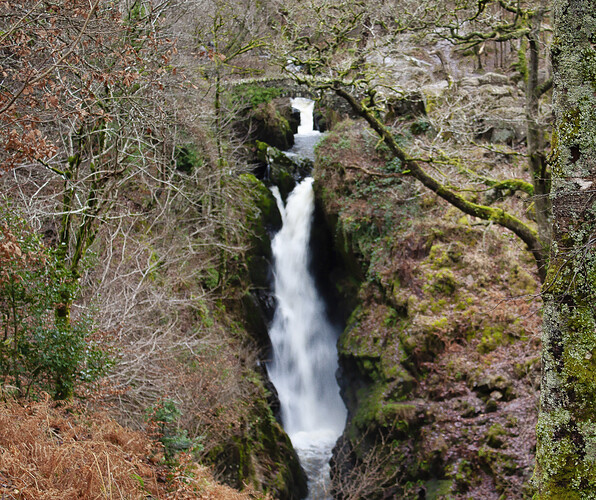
<point x="253" y="95"/>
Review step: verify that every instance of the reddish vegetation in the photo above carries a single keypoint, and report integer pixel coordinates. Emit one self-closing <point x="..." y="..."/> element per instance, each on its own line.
<point x="50" y="452"/>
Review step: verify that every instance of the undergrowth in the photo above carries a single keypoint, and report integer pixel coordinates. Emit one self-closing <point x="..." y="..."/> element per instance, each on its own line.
<point x="51" y="452"/>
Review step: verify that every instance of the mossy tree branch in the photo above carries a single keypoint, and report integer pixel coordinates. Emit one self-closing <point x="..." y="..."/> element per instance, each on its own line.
<point x="497" y="215"/>
<point x="510" y="186"/>
<point x="342" y="63"/>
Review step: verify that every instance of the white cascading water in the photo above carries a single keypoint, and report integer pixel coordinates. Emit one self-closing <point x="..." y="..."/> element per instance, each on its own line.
<point x="304" y="341"/>
<point x="307" y="137"/>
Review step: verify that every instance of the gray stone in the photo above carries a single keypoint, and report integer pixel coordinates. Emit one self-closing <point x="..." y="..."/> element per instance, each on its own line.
<point x="497" y="90"/>
<point x="470" y="81"/>
<point x="493" y="79"/>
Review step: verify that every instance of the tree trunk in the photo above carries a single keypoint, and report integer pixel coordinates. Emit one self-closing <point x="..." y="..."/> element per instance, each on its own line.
<point x="566" y="431"/>
<point x="535" y="134"/>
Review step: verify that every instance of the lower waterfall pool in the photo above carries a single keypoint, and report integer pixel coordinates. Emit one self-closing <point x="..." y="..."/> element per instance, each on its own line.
<point x="314" y="451"/>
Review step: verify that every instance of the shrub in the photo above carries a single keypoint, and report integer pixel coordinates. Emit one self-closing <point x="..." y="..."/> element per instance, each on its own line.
<point x="38" y="351"/>
<point x="165" y="416"/>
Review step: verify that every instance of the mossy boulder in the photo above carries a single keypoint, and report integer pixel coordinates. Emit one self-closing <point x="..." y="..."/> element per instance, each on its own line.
<point x="272" y="125"/>
<point x="443" y="282"/>
<point x="262" y="457"/>
<point x="263" y="220"/>
<point x="284" y="170"/>
<point x="264" y="115"/>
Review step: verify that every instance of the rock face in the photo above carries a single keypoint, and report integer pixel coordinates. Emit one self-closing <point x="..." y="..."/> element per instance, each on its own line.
<point x="439" y="362"/>
<point x="274" y="123"/>
<point x="263" y="457"/>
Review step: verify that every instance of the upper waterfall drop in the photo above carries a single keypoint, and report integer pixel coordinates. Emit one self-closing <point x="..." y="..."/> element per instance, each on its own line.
<point x="306" y="108"/>
<point x="307" y="137"/>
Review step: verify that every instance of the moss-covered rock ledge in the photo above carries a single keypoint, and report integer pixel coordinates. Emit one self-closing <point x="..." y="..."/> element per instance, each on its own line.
<point x="439" y="358"/>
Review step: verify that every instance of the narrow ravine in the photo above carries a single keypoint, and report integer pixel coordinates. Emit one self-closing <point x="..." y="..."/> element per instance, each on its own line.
<point x="303" y="339"/>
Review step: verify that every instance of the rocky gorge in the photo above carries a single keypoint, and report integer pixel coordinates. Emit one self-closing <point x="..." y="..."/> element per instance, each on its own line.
<point x="439" y="362"/>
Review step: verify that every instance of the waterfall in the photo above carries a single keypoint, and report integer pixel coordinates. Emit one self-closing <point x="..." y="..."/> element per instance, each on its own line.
<point x="307" y="136"/>
<point x="306" y="108"/>
<point x="304" y="343"/>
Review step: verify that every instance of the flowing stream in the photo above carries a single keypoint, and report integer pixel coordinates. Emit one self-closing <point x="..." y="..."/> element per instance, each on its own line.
<point x="304" y="341"/>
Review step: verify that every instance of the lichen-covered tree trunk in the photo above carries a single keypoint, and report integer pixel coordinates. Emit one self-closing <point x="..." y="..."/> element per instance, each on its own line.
<point x="535" y="131"/>
<point x="566" y="431"/>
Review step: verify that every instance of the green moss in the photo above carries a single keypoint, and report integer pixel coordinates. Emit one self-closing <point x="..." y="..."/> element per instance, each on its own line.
<point x="528" y="367"/>
<point x="262" y="199"/>
<point x="463" y="304"/>
<point x="495" y="436"/>
<point x="439" y="489"/>
<point x="440" y="324"/>
<point x="444" y="282"/>
<point x="521" y="65"/>
<point x="262" y="456"/>
<point x="462" y="473"/>
<point x="438" y="305"/>
<point x="442" y="255"/>
<point x="492" y="337"/>
<point x="499" y="465"/>
<point x="521" y="282"/>
<point x="376" y="407"/>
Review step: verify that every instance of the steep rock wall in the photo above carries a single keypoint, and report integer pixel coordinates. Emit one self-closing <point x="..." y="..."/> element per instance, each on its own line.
<point x="439" y="356"/>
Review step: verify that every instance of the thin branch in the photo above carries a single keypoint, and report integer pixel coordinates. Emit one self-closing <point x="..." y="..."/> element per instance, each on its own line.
<point x="41" y="77"/>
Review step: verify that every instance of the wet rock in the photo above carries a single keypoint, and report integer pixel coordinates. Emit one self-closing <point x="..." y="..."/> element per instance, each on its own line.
<point x="495" y="387"/>
<point x="466" y="408"/>
<point x="272" y="127"/>
<point x="284" y="170"/>
<point x="493" y="79"/>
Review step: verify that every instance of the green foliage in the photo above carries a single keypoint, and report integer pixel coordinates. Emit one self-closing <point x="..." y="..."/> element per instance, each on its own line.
<point x="394" y="165"/>
<point x="187" y="158"/>
<point x="137" y="12"/>
<point x="40" y="350"/>
<point x="212" y="278"/>
<point x="253" y="95"/>
<point x="165" y="415"/>
<point x="420" y="126"/>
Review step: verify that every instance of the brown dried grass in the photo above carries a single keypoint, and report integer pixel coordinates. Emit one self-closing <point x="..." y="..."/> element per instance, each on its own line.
<point x="62" y="453"/>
